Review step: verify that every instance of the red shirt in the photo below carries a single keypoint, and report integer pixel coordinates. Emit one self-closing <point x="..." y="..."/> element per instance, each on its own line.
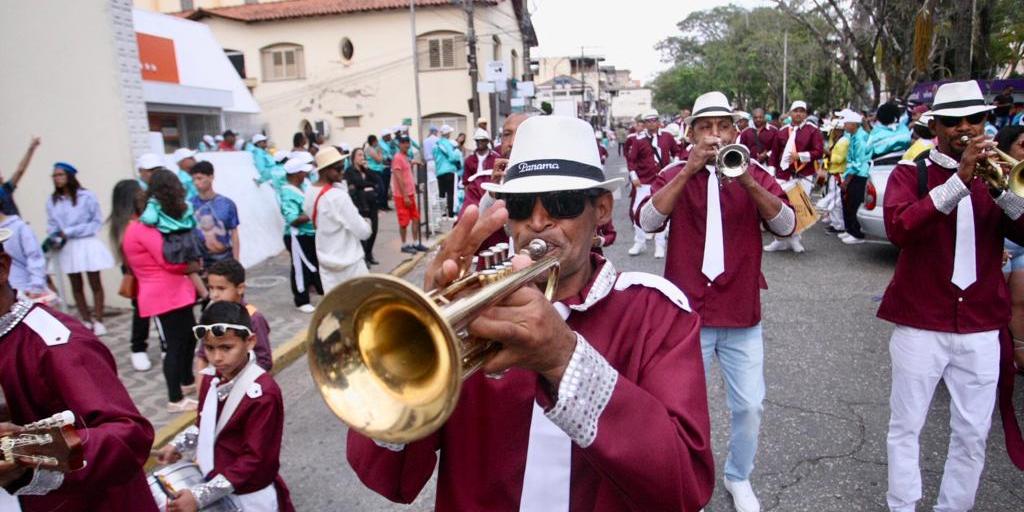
<point x="403" y="184"/>
<point x="921" y="294"/>
<point x="734" y="298"/>
<point x="758" y="141"/>
<point x="808" y="138"/>
<point x="645" y="160"/>
<point x="653" y="445"/>
<point x="248" y="450"/>
<point x="79" y="374"/>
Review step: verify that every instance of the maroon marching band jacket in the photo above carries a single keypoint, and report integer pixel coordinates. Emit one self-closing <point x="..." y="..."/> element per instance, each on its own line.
<point x="660" y="390"/>
<point x="41" y="376"/>
<point x="474" y="192"/>
<point x="734" y="298"/>
<point x="808" y="138"/>
<point x="248" y="449"/>
<point x="758" y="141"/>
<point x="647" y="162"/>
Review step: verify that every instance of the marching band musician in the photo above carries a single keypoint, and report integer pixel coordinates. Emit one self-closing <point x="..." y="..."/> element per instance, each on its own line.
<point x="615" y="354"/>
<point x="794" y="152"/>
<point x="715" y="257"/>
<point x="478" y="167"/>
<point x="759" y="138"/>
<point x="49" y="362"/>
<point x="653" y="150"/>
<point x="947" y="297"/>
<point x="237" y="439"/>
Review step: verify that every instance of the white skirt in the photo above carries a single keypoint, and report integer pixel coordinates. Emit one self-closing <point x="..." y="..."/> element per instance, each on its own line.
<point x="83" y="255"/>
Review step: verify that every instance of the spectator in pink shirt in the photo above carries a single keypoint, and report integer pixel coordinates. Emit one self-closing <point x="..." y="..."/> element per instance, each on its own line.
<point x="403" y="185"/>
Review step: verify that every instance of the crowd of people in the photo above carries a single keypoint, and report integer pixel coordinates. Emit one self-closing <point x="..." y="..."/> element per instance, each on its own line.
<point x="576" y="377"/>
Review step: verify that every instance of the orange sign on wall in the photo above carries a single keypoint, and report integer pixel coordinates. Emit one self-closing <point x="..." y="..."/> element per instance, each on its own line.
<point x="156" y="55"/>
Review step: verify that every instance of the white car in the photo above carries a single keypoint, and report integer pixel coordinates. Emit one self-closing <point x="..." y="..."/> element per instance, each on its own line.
<point x="870" y="212"/>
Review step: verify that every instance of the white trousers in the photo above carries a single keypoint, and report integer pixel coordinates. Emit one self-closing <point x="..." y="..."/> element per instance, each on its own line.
<point x="331" y="277"/>
<point x="969" y="366"/>
<point x="639" y="235"/>
<point x="832" y="204"/>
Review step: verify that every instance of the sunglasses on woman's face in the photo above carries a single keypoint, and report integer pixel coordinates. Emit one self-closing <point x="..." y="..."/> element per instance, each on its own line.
<point x="218" y="330"/>
<point x="950" y="122"/>
<point x="567" y="204"/>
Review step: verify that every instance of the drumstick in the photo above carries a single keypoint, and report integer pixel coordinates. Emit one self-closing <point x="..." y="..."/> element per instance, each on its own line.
<point x="166" y="487"/>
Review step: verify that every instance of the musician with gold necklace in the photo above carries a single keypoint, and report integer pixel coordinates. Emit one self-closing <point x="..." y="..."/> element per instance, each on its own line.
<point x="595" y="402"/>
<point x="50" y="363"/>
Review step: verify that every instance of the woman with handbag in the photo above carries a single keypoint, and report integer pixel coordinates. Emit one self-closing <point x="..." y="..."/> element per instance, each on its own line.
<point x="126" y="205"/>
<point x="363" y="185"/>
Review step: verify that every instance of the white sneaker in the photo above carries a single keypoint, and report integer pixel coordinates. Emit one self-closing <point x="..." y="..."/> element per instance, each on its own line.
<point x="797" y="246"/>
<point x="306" y="308"/>
<point x="844" y="236"/>
<point x="140" y="361"/>
<point x="777" y="245"/>
<point x="659" y="252"/>
<point x="98" y="329"/>
<point x="743" y="497"/>
<point x="638" y="248"/>
<point x="852" y="240"/>
<point x="184" y="405"/>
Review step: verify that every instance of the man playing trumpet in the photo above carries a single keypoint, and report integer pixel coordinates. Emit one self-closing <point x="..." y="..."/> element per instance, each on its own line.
<point x="714" y="255"/>
<point x="596" y="402"/>
<point x="948" y="297"/>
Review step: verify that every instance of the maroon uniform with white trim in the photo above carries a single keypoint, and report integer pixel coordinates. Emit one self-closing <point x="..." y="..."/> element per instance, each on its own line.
<point x="646" y="160"/>
<point x="808" y="138"/>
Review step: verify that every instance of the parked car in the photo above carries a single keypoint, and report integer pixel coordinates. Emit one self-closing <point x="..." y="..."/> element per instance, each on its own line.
<point x="870" y="212"/>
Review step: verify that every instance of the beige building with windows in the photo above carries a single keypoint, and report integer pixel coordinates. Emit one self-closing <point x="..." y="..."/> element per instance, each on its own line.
<point x="344" y="68"/>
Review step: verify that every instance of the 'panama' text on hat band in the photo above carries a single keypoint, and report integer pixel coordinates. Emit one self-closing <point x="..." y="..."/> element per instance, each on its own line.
<point x="554" y="168"/>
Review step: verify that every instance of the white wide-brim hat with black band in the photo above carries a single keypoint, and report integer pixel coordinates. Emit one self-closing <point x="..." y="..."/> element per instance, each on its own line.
<point x="551" y="154"/>
<point x="712" y="104"/>
<point x="959" y="99"/>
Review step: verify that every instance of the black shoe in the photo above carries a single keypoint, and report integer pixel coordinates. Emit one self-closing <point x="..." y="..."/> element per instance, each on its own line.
<point x="371" y="261"/>
<point x="408" y="249"/>
<point x="420" y="248"/>
<point x="833" y="231"/>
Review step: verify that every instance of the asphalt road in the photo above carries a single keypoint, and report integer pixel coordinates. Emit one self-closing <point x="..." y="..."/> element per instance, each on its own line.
<point x="827" y="371"/>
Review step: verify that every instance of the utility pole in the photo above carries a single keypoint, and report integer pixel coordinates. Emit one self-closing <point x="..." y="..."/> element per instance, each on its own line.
<point x="419" y="116"/>
<point x="583" y="87"/>
<point x="471" y="41"/>
<point x="785" y="67"/>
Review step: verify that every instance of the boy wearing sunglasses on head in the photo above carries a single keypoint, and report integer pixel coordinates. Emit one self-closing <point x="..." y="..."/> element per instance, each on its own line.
<point x="237" y="439"/>
<point x="226" y="282"/>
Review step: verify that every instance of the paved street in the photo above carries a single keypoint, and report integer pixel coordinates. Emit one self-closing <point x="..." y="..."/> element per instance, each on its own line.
<point x="827" y="369"/>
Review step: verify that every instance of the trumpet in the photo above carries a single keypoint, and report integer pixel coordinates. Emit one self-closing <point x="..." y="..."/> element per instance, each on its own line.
<point x="732" y="161"/>
<point x="1002" y="172"/>
<point x="390" y="359"/>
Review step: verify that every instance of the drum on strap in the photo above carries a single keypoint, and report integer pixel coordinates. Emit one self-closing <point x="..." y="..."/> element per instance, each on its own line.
<point x="172" y="478"/>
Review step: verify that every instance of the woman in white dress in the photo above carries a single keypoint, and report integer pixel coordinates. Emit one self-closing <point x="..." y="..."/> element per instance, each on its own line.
<point x="73" y="219"/>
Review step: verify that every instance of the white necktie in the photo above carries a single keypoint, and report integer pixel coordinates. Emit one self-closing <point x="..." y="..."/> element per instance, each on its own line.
<point x="964" y="268"/>
<point x="207" y="429"/>
<point x="714" y="252"/>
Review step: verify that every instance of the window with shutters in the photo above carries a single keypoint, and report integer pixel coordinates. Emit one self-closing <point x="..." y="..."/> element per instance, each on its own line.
<point x="283" y="62"/>
<point x="441" y="50"/>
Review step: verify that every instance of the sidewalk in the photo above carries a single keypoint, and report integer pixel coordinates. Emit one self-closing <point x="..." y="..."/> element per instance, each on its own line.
<point x="268" y="289"/>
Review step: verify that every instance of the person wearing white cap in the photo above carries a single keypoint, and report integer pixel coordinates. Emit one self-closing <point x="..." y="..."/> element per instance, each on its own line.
<point x="831" y="203"/>
<point x="208" y="143"/>
<point x="855" y="175"/>
<point x="714" y="256"/>
<point x="185" y="158"/>
<point x="653" y="150"/>
<point x="479" y="167"/>
<point x="797" y="146"/>
<point x="601" y="404"/>
<point x="947" y="297"/>
<point x="924" y="139"/>
<point x="146" y="164"/>
<point x="339" y="227"/>
<point x="448" y="162"/>
<point x="267" y="168"/>
<point x="299" y="234"/>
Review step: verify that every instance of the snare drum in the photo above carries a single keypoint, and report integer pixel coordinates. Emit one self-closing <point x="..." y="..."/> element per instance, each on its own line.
<point x="183" y="475"/>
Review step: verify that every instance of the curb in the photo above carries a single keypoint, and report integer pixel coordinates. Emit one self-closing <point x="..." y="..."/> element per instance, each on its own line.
<point x="284" y="355"/>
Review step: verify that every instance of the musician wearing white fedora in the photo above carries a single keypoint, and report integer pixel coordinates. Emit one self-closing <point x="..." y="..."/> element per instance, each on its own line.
<point x="601" y="405"/>
<point x="714" y="255"/>
<point x="948" y="297"/>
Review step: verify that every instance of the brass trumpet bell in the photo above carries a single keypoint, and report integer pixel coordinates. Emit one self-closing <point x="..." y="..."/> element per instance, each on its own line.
<point x="389" y="359"/>
<point x="1002" y="172"/>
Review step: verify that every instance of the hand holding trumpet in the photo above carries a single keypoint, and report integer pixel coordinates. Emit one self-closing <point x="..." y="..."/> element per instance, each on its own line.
<point x="976" y="150"/>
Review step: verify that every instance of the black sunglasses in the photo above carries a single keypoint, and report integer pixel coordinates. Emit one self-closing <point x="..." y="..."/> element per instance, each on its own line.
<point x="218" y="330"/>
<point x="567" y="204"/>
<point x="950" y="122"/>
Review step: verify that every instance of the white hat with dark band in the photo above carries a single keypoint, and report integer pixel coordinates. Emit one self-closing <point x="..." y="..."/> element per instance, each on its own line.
<point x="551" y="154"/>
<point x="959" y="99"/>
<point x="712" y="104"/>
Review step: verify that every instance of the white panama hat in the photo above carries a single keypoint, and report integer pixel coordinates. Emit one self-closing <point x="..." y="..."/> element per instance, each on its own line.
<point x="711" y="104"/>
<point x="959" y="99"/>
<point x="481" y="134"/>
<point x="551" y="154"/>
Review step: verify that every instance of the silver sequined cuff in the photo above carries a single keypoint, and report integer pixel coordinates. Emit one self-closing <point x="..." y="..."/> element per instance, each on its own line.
<point x="212" y="491"/>
<point x="43" y="481"/>
<point x="783" y="223"/>
<point x="947" y="195"/>
<point x="584" y="392"/>
<point x="186" y="442"/>
<point x="395" y="447"/>
<point x="650" y="218"/>
<point x="1012" y="204"/>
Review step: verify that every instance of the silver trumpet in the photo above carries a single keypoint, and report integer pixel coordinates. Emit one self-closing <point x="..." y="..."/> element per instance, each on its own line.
<point x="732" y="161"/>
